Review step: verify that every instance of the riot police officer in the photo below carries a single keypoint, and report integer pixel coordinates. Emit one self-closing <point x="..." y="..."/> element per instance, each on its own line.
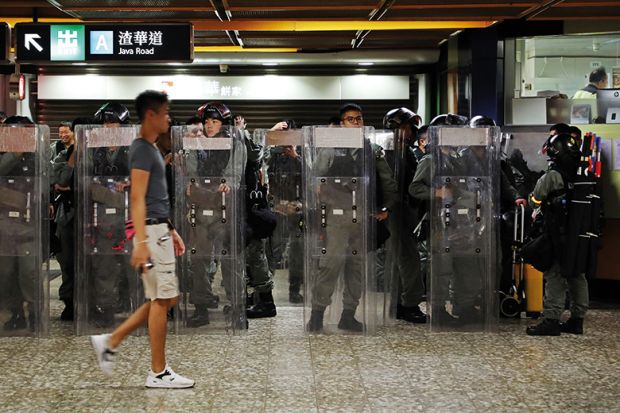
<point x="323" y="287"/>
<point x="421" y="189"/>
<point x="17" y="269"/>
<point x="550" y="199"/>
<point x="404" y="218"/>
<point x="110" y="284"/>
<point x="285" y="185"/>
<point x="215" y="118"/>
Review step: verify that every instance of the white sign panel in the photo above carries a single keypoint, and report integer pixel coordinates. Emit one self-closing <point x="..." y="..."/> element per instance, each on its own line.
<point x="267" y="87"/>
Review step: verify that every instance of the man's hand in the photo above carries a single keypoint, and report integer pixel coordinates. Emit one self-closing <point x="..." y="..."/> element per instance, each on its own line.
<point x="291" y="152"/>
<point x="521" y="201"/>
<point x="382" y="216"/>
<point x="120" y="186"/>
<point x="223" y="188"/>
<point x="59" y="188"/>
<point x="140" y="255"/>
<point x="179" y="245"/>
<point x="169" y="158"/>
<point x="280" y="126"/>
<point x="443" y="192"/>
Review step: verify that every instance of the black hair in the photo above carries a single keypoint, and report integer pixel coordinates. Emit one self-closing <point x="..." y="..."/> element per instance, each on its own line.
<point x="2" y="116"/>
<point x="597" y="75"/>
<point x="560" y="128"/>
<point x="150" y="100"/>
<point x="290" y="124"/>
<point x="349" y="107"/>
<point x="193" y="120"/>
<point x="422" y="130"/>
<point x="65" y="124"/>
<point x="575" y="130"/>
<point x="18" y="120"/>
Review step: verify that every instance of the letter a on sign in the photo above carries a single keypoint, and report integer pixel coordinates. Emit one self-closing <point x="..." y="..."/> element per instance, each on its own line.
<point x="101" y="42"/>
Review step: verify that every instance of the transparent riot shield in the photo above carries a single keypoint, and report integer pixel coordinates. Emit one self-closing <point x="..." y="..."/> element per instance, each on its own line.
<point x="339" y="242"/>
<point x="386" y="270"/>
<point x="208" y="215"/>
<point x="24" y="183"/>
<point x="283" y="158"/>
<point x="108" y="290"/>
<point x="464" y="233"/>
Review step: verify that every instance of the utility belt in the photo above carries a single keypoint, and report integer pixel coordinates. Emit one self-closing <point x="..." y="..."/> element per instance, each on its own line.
<point x="157" y="221"/>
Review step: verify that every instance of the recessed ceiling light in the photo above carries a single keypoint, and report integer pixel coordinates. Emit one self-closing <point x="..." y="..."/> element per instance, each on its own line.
<point x="366" y="63"/>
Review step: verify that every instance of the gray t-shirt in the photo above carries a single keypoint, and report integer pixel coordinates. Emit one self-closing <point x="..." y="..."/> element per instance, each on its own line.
<point x="146" y="157"/>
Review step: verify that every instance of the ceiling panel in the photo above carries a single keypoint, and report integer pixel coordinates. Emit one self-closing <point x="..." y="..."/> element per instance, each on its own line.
<point x="253" y="10"/>
<point x="301" y="14"/>
<point x="306" y="40"/>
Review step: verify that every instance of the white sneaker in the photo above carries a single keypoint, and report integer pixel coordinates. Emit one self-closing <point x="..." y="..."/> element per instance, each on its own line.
<point x="105" y="355"/>
<point x="167" y="379"/>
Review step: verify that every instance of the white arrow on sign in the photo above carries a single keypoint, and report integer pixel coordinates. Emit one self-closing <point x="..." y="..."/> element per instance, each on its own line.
<point x="30" y="40"/>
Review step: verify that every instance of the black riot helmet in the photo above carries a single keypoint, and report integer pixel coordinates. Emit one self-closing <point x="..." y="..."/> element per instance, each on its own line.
<point x="112" y="112"/>
<point x="398" y="117"/>
<point x="449" y="119"/>
<point x="215" y="110"/>
<point x="562" y="145"/>
<point x="480" y="121"/>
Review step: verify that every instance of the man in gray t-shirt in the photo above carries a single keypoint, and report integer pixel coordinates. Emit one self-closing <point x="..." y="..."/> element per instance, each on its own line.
<point x="145" y="156"/>
<point x="156" y="243"/>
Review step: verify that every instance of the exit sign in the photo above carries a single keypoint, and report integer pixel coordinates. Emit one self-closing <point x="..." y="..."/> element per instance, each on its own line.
<point x="140" y="42"/>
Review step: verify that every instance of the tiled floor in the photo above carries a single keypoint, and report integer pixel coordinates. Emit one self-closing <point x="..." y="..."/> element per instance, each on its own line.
<point x="277" y="368"/>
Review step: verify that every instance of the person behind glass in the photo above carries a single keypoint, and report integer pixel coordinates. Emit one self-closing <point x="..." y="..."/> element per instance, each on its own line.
<point x="63" y="186"/>
<point x="329" y="271"/>
<point x="421" y="189"/>
<point x="549" y="199"/>
<point x="156" y="243"/>
<point x="258" y="228"/>
<point x="239" y="122"/>
<point x="404" y="220"/>
<point x="509" y="199"/>
<point x="596" y="81"/>
<point x="65" y="139"/>
<point x="109" y="283"/>
<point x="214" y="120"/>
<point x="17" y="271"/>
<point x="284" y="172"/>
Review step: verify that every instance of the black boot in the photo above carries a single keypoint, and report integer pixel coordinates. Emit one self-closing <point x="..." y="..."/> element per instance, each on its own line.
<point x="16" y="322"/>
<point x="213" y="302"/>
<point x="294" y="297"/>
<point x="572" y="326"/>
<point x="67" y="313"/>
<point x="200" y="316"/>
<point x="348" y="321"/>
<point x="410" y="314"/>
<point x="316" y="321"/>
<point x="264" y="308"/>
<point x="548" y="327"/>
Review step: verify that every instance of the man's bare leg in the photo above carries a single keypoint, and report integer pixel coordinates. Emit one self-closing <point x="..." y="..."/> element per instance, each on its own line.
<point x="135" y="321"/>
<point x="158" y="328"/>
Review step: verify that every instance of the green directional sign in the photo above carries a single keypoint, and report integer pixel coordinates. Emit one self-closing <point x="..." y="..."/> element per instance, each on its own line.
<point x="67" y="42"/>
